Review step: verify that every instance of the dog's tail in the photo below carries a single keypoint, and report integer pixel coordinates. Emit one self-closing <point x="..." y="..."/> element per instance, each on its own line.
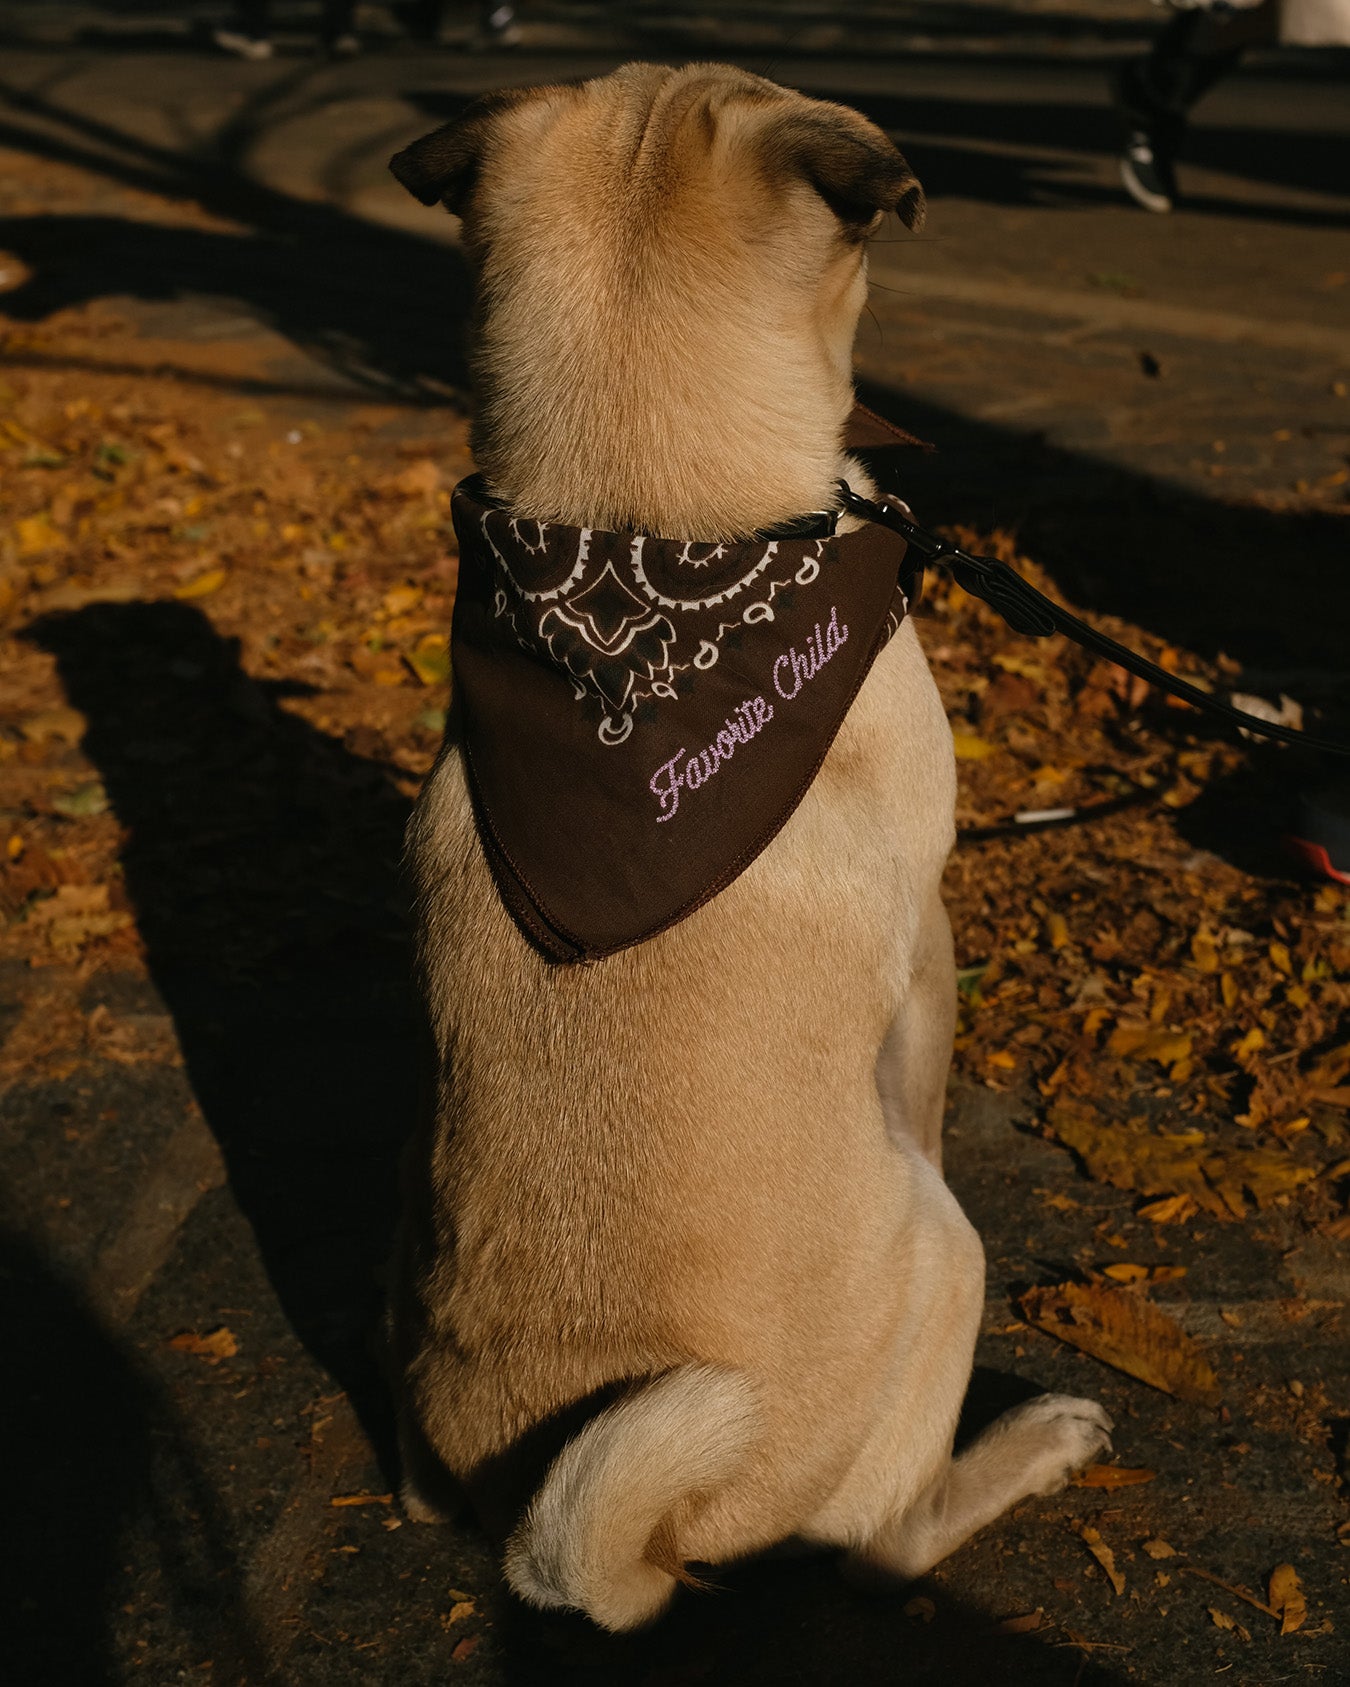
<point x="598" y="1536"/>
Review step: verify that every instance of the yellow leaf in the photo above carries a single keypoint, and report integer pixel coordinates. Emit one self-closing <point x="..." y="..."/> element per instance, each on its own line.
<point x="1286" y="1598"/>
<point x="1112" y="1476"/>
<point x="36" y="534"/>
<point x="430" y="660"/>
<point x="401" y="599"/>
<point x="203" y="585"/>
<point x="216" y="1345"/>
<point x="1159" y="1549"/>
<point x="1280" y="959"/>
<point x="1126" y="1332"/>
<point x="1172" y="1209"/>
<point x="1246" y="1046"/>
<point x="459" y="1610"/>
<point x="1204" y="951"/>
<point x="1093" y="1541"/>
<point x="970" y="748"/>
<point x="1220" y="1618"/>
<point x="1005" y="1060"/>
<point x="1149" y="1042"/>
<point x="1228" y="989"/>
<point x="1057" y="930"/>
<point x="362" y="1499"/>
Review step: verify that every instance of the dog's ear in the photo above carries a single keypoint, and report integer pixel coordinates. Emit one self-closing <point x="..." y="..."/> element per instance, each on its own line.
<point x="851" y="164"/>
<point x="443" y="165"/>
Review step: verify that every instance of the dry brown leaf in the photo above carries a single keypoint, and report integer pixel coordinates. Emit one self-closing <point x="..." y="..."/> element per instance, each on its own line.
<point x="1221" y="1618"/>
<point x="362" y="1499"/>
<point x="1093" y="1541"/>
<point x="214" y="1346"/>
<point x="1126" y="1332"/>
<point x="1159" y="1549"/>
<point x="1180" y="1163"/>
<point x="1112" y="1476"/>
<point x="1028" y="1623"/>
<point x="1286" y="1598"/>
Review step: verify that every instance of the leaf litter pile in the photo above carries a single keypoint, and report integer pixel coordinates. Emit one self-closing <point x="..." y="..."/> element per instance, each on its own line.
<point x="1178" y="1024"/>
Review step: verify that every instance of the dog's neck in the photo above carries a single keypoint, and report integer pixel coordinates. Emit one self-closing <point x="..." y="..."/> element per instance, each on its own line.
<point x="666" y="443"/>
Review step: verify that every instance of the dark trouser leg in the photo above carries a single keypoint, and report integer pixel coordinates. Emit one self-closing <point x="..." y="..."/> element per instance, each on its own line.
<point x="255" y="17"/>
<point x="338" y="16"/>
<point x="1194" y="50"/>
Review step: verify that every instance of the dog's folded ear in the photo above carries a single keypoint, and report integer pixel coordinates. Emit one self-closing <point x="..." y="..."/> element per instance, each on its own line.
<point x="443" y="165"/>
<point x="852" y="165"/>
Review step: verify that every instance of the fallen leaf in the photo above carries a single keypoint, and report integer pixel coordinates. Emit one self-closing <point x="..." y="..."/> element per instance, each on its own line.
<point x="36" y="534"/>
<point x="1126" y="1332"/>
<point x="459" y="1610"/>
<point x="1159" y="1549"/>
<point x="970" y="748"/>
<point x="83" y="802"/>
<point x="1093" y="1541"/>
<point x="1248" y="1045"/>
<point x="1026" y="1624"/>
<point x="1149" y="1042"/>
<point x="1175" y="1163"/>
<point x="1112" y="1476"/>
<point x="430" y="659"/>
<point x="1131" y="1274"/>
<point x="362" y="1499"/>
<point x="69" y="725"/>
<point x="1286" y="1598"/>
<point x="1172" y="1209"/>
<point x="203" y="584"/>
<point x="465" y="1648"/>
<point x="216" y="1345"/>
<point x="1221" y="1618"/>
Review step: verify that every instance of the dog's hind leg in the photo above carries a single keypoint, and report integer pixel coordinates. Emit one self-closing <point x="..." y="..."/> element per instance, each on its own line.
<point x="1032" y="1449"/>
<point x="907" y="1502"/>
<point x="917" y="1051"/>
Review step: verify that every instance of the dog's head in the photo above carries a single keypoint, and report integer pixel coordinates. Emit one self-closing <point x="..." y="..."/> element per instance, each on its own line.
<point x="682" y="250"/>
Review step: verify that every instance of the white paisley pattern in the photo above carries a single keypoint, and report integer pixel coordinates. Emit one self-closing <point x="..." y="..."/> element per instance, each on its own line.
<point x="620" y="639"/>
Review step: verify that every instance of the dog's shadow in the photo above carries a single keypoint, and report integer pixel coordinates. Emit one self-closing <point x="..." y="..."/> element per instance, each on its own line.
<point x="261" y="861"/>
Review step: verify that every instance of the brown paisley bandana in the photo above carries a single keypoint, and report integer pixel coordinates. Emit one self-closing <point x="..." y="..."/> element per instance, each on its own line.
<point x="640" y="716"/>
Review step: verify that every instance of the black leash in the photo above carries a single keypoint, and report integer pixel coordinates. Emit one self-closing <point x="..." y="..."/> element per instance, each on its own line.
<point x="1028" y="611"/>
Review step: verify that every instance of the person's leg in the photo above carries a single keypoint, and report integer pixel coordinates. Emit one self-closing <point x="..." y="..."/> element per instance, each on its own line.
<point x="337" y="30"/>
<point x="1194" y="50"/>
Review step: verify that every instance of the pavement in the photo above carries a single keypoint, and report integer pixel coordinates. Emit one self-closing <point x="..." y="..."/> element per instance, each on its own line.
<point x="1092" y="377"/>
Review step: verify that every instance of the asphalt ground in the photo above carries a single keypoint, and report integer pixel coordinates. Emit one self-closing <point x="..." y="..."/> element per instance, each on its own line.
<point x="1096" y="378"/>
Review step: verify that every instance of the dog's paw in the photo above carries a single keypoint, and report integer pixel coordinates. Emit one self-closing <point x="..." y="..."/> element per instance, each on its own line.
<point x="1053" y="1437"/>
<point x="417" y="1508"/>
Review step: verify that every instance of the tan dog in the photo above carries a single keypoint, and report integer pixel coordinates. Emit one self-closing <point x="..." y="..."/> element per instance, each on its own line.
<point x="679" y="1275"/>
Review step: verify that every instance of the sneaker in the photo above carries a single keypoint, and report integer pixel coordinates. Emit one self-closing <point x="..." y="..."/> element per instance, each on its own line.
<point x="252" y="47"/>
<point x="1146" y="170"/>
<point x="1320" y="835"/>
